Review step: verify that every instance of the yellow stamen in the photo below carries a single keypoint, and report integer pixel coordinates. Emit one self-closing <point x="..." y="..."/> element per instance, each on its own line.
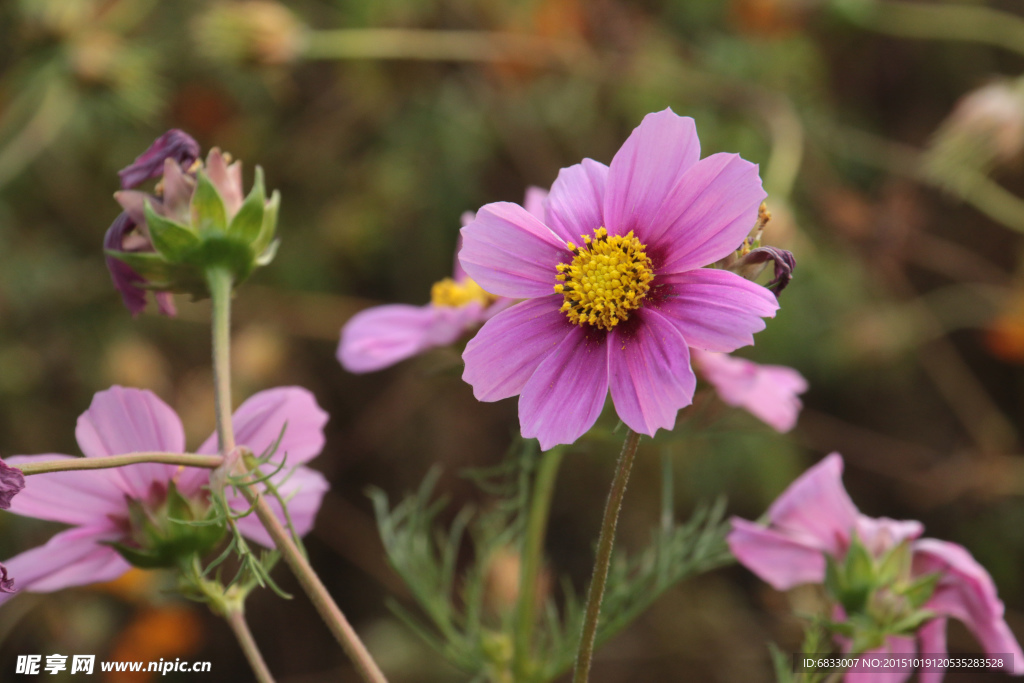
<point x="608" y="278"/>
<point x="454" y="294"/>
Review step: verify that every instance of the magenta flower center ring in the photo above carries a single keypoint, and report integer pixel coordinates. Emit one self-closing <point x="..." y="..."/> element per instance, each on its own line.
<point x="607" y="278"/>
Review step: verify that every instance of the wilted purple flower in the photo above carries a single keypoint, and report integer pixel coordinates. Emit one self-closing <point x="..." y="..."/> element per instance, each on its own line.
<point x="815" y="518"/>
<point x="174" y="144"/>
<point x="11" y="482"/>
<point x="6" y="582"/>
<point x="615" y="285"/>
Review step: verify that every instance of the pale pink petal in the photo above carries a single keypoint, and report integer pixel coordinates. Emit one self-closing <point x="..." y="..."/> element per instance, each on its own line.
<point x="896" y="647"/>
<point x="645" y="170"/>
<point x="649" y="372"/>
<point x="564" y="396"/>
<point x="134" y="203"/>
<point x="715" y="310"/>
<point x="966" y="591"/>
<point x="303" y="490"/>
<point x="508" y="252"/>
<point x="228" y="181"/>
<point x="576" y="203"/>
<point x="932" y="637"/>
<point x="769" y="392"/>
<point x="534" y="202"/>
<point x="509" y="347"/>
<point x="122" y="420"/>
<point x="881" y="534"/>
<point x="84" y="497"/>
<point x="779" y="560"/>
<point x="816" y="510"/>
<point x="260" y="420"/>
<point x="74" y="557"/>
<point x="707" y="216"/>
<point x="384" y="335"/>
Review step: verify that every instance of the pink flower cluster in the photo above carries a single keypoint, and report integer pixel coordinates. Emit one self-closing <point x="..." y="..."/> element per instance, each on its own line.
<point x="815" y="518"/>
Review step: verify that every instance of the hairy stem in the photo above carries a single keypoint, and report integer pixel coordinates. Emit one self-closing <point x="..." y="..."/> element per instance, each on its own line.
<point x="108" y="461"/>
<point x="236" y="619"/>
<point x="605" y="542"/>
<point x="220" y="291"/>
<point x="532" y="557"/>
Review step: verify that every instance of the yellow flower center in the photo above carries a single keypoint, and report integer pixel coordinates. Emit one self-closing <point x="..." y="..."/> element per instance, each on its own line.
<point x="608" y="278"/>
<point x="454" y="294"/>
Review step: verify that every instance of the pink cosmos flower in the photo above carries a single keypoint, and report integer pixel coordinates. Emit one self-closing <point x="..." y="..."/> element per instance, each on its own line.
<point x="614" y="285"/>
<point x="769" y="392"/>
<point x="815" y="517"/>
<point x="381" y="336"/>
<point x="96" y="502"/>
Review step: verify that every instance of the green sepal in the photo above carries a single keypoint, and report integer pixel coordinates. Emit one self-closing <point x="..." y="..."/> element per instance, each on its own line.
<point x="268" y="254"/>
<point x="269" y="227"/>
<point x="248" y="222"/>
<point x="172" y="240"/>
<point x="918" y="592"/>
<point x="860" y="577"/>
<point x="153" y="267"/>
<point x="896" y="564"/>
<point x="909" y="625"/>
<point x="207" y="211"/>
<point x="224" y="251"/>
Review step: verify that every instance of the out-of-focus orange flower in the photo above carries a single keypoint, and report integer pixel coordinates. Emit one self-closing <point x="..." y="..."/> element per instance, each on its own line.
<point x="1004" y="337"/>
<point x="161" y="632"/>
<point x="767" y="18"/>
<point x="134" y="585"/>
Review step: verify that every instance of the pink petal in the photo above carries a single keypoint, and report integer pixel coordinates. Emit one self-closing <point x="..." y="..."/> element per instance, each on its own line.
<point x="816" y="510"/>
<point x="576" y="203"/>
<point x="881" y="534"/>
<point x="302" y="490"/>
<point x="120" y="421"/>
<point x="646" y="169"/>
<point x="509" y="347"/>
<point x="134" y="202"/>
<point x="259" y="421"/>
<point x="564" y="396"/>
<point x="228" y="181"/>
<point x="508" y="252"/>
<point x="895" y="646"/>
<point x="769" y="392"/>
<point x="779" y="560"/>
<point x="534" y="202"/>
<point x="715" y="310"/>
<point x="74" y="557"/>
<point x="966" y="591"/>
<point x="649" y="372"/>
<point x="932" y="637"/>
<point x="707" y="216"/>
<point x="85" y="497"/>
<point x="384" y="335"/>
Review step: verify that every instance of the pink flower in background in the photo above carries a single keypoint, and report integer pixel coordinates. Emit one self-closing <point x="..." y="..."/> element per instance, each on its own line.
<point x="96" y="502"/>
<point x="769" y="392"/>
<point x="815" y="517"/>
<point x="614" y="283"/>
<point x="381" y="336"/>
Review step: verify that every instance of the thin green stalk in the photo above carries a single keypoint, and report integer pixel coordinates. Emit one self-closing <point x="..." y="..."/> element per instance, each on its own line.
<point x="108" y="461"/>
<point x="605" y="543"/>
<point x="220" y="282"/>
<point x="968" y="23"/>
<point x="433" y="45"/>
<point x="235" y="617"/>
<point x="220" y="291"/>
<point x="532" y="557"/>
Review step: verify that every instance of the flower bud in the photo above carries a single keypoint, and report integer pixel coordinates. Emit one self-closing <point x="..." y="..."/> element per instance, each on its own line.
<point x="198" y="218"/>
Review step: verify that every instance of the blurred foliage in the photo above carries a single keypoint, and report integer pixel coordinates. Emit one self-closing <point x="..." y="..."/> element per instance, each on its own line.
<point x="380" y="127"/>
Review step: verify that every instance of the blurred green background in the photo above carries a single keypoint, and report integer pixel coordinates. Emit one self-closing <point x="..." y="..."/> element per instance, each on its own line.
<point x="892" y="183"/>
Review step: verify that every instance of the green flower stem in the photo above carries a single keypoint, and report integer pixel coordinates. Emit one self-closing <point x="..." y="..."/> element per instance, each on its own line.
<point x="220" y="291"/>
<point x="235" y="616"/>
<point x="426" y="44"/>
<point x="532" y="557"/>
<point x="605" y="542"/>
<point x="969" y="23"/>
<point x="108" y="461"/>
